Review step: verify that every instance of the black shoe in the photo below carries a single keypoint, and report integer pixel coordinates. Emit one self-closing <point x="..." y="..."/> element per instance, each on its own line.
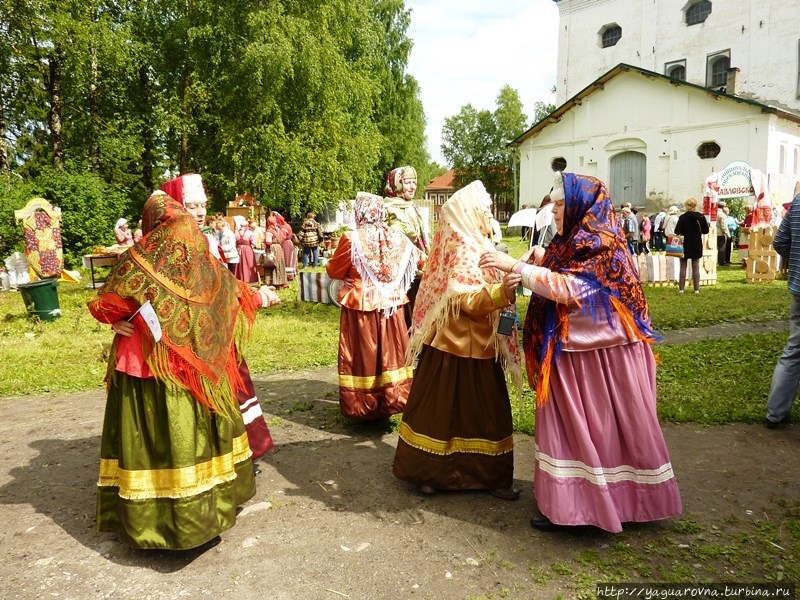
<point x="544" y="524"/>
<point x="511" y="493"/>
<point x="775" y="424"/>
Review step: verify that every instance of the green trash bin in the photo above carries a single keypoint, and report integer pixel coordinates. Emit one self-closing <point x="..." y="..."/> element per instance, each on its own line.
<point x="41" y="298"/>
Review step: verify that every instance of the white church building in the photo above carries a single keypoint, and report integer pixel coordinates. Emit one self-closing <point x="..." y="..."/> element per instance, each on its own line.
<point x="654" y="96"/>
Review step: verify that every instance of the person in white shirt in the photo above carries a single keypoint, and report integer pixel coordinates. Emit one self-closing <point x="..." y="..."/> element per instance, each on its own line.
<point x="659" y="237"/>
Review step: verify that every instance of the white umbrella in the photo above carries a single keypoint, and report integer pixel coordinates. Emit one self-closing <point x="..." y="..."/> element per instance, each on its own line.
<point x="523" y="218"/>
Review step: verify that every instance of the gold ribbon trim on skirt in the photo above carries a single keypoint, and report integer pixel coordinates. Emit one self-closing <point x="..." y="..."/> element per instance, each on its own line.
<point x="371" y="383"/>
<point x="183" y="482"/>
<point x="456" y="444"/>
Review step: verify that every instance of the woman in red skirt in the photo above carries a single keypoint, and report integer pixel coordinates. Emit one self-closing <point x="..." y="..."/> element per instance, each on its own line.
<point x="380" y="262"/>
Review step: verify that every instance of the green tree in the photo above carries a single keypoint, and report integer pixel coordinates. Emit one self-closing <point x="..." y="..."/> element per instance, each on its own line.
<point x="542" y="110"/>
<point x="398" y="110"/>
<point x="476" y="144"/>
<point x="299" y="103"/>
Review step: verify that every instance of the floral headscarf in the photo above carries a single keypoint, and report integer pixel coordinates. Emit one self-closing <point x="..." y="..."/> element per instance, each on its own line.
<point x="384" y="257"/>
<point x="452" y="272"/>
<point x="593" y="249"/>
<point x="394" y="180"/>
<point x="203" y="311"/>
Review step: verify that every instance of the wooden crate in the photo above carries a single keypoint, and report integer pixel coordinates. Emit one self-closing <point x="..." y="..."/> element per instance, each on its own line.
<point x="762" y="261"/>
<point x="657" y="269"/>
<point x="662" y="270"/>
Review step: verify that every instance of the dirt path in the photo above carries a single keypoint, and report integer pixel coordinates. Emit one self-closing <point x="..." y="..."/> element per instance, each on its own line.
<point x="329" y="520"/>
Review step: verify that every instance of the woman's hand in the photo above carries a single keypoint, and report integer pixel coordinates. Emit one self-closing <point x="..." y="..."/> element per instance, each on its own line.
<point x="268" y="296"/>
<point x="498" y="260"/>
<point x="510" y="283"/>
<point x="538" y="255"/>
<point x="528" y="256"/>
<point x="123" y="328"/>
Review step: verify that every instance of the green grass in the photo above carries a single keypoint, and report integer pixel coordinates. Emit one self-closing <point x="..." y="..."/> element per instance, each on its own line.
<point x="69" y="354"/>
<point x="719" y="381"/>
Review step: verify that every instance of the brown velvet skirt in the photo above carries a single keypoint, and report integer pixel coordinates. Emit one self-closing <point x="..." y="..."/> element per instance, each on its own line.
<point x="457" y="432"/>
<point x="373" y="380"/>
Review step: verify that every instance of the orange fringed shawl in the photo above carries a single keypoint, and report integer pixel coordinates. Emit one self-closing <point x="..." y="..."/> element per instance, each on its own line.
<point x="204" y="312"/>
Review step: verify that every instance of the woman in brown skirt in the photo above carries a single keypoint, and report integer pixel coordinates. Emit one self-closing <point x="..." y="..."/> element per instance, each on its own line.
<point x="457" y="432"/>
<point x="380" y="262"/>
<point x="274" y="274"/>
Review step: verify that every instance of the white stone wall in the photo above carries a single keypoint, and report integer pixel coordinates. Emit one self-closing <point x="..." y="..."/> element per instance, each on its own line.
<point x="762" y="36"/>
<point x="665" y="122"/>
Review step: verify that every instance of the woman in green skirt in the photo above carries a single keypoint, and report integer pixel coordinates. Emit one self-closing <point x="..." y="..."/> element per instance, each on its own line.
<point x="175" y="460"/>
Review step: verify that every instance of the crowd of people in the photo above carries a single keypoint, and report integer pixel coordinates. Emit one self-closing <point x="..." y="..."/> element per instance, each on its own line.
<point x="428" y="329"/>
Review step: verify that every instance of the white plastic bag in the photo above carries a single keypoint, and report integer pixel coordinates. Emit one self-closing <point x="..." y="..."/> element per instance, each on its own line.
<point x="17" y="265"/>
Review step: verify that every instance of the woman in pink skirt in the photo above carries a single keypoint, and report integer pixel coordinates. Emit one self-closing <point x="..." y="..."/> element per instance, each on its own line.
<point x="601" y="458"/>
<point x="289" y="250"/>
<point x="245" y="269"/>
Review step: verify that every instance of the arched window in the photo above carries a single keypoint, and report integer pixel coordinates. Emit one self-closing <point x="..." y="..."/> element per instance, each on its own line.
<point x="611" y="35"/>
<point x="677" y="72"/>
<point x="718" y="66"/>
<point x="708" y="150"/>
<point x="698" y="12"/>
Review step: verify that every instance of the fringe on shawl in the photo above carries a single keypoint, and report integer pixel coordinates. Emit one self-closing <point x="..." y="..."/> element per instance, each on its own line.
<point x="551" y="348"/>
<point x="218" y="396"/>
<point x="447" y="308"/>
<point x="372" y="286"/>
<point x="561" y="323"/>
<point x="450" y="308"/>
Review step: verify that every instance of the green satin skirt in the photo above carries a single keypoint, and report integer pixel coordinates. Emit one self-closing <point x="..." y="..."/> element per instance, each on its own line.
<point x="171" y="472"/>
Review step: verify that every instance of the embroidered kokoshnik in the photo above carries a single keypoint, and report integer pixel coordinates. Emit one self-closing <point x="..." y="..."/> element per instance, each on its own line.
<point x="373" y="382"/>
<point x="184" y="482"/>
<point x="456" y="444"/>
<point x="574" y="469"/>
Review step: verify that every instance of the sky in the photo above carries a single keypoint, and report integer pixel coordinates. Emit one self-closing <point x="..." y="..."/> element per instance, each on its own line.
<point x="465" y="51"/>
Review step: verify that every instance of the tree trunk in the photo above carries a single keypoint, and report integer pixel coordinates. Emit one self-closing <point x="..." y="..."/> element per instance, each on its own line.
<point x="54" y="116"/>
<point x="147" y="130"/>
<point x="94" y="143"/>
<point x="184" y="124"/>
<point x="3" y="132"/>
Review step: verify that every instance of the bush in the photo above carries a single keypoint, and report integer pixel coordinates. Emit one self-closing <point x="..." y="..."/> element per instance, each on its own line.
<point x="89" y="210"/>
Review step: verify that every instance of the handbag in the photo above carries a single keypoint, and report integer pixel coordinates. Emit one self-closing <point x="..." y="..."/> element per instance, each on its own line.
<point x="267" y="260"/>
<point x="675" y="246"/>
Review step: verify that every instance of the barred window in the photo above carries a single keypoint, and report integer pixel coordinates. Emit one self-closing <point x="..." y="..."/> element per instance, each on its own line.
<point x="677" y="72"/>
<point x="717" y="71"/>
<point x="611" y="36"/>
<point x="698" y="12"/>
<point x="708" y="150"/>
